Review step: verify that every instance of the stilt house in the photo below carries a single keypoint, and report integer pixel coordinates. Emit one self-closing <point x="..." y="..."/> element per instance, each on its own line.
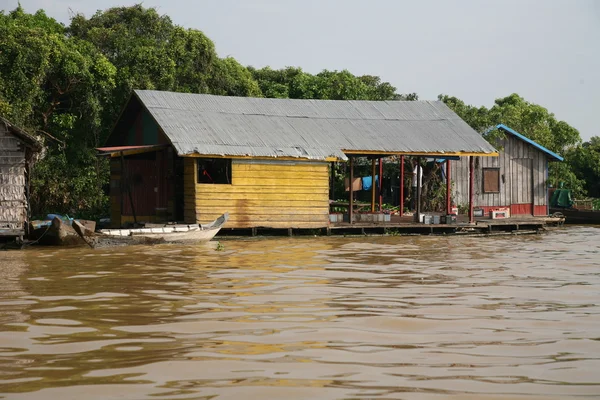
<point x="515" y="179"/>
<point x="190" y="157"/>
<point x="17" y="150"/>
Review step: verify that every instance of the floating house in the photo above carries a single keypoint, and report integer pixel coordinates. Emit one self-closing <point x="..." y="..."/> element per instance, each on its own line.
<point x="517" y="179"/>
<point x="17" y="150"/>
<point x="191" y="157"/>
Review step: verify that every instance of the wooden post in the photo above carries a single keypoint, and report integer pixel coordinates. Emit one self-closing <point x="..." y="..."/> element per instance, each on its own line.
<point x="379" y="186"/>
<point x="471" y="187"/>
<point x="418" y="199"/>
<point x="332" y="182"/>
<point x="546" y="189"/>
<point x="373" y="187"/>
<point x="448" y="189"/>
<point x="350" y="205"/>
<point x="401" y="185"/>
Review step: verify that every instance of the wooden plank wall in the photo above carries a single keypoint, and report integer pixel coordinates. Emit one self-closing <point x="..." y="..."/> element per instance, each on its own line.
<point x="264" y="193"/>
<point x="520" y="180"/>
<point x="13" y="201"/>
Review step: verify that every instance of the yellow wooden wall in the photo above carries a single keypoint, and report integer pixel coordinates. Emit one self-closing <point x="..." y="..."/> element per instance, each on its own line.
<point x="263" y="193"/>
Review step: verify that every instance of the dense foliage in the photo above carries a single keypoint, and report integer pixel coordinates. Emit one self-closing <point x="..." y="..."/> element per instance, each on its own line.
<point x="57" y="86"/>
<point x="67" y="84"/>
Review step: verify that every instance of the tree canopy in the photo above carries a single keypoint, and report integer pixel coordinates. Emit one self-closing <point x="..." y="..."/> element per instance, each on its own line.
<point x="59" y="86"/>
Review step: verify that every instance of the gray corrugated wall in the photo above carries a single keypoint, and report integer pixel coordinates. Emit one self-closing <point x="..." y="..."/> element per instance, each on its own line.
<point x="513" y="190"/>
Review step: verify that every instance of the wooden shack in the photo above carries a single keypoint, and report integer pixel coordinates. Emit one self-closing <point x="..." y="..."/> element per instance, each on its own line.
<point x="17" y="150"/>
<point x="191" y="157"/>
<point x="516" y="179"/>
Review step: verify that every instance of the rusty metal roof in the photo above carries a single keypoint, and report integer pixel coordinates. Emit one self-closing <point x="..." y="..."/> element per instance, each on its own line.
<point x="312" y="129"/>
<point x="115" y="151"/>
<point x="30" y="140"/>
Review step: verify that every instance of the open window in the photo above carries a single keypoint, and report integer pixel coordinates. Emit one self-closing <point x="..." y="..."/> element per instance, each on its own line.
<point x="214" y="170"/>
<point x="491" y="180"/>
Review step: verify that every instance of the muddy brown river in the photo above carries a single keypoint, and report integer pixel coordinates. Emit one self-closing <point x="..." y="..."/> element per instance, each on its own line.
<point x="419" y="317"/>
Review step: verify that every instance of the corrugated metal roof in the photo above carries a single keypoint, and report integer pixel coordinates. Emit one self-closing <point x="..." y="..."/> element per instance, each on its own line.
<point x="552" y="154"/>
<point x="312" y="129"/>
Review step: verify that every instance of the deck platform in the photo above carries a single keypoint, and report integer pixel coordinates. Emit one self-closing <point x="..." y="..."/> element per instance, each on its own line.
<point x="406" y="226"/>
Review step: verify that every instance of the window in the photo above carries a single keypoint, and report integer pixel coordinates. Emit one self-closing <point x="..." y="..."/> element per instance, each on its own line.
<point x="214" y="170"/>
<point x="491" y="180"/>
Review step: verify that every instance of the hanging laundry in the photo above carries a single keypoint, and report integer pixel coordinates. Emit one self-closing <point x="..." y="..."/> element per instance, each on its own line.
<point x="367" y="182"/>
<point x="356" y="184"/>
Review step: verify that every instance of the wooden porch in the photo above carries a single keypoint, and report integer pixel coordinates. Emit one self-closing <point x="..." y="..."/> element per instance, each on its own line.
<point x="483" y="225"/>
<point x="405" y="225"/>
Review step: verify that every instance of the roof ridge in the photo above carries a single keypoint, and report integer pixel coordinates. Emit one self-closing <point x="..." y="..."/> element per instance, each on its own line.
<point x="448" y="118"/>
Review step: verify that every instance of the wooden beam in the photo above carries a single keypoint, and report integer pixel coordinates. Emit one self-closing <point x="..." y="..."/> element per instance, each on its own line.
<point x="373" y="187"/>
<point x="11" y="232"/>
<point x="471" y="187"/>
<point x="401" y="185"/>
<point x="131" y="152"/>
<point x="438" y="154"/>
<point x="379" y="186"/>
<point x="448" y="189"/>
<point x="233" y="157"/>
<point x="418" y="199"/>
<point x="332" y="181"/>
<point x="351" y="206"/>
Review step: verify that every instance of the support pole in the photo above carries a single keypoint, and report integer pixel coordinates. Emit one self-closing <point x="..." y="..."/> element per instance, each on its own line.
<point x="373" y="187"/>
<point x="448" y="189"/>
<point x="401" y="185"/>
<point x="332" y="182"/>
<point x="471" y="187"/>
<point x="379" y="186"/>
<point x="350" y="205"/>
<point x="418" y="199"/>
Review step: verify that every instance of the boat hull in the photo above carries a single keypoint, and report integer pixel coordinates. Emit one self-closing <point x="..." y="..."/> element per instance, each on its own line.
<point x="575" y="216"/>
<point x="180" y="234"/>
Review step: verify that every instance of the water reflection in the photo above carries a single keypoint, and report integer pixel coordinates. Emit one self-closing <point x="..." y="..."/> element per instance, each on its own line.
<point x="409" y="317"/>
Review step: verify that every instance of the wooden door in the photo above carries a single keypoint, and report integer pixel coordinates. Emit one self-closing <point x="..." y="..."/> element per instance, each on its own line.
<point x="522" y="186"/>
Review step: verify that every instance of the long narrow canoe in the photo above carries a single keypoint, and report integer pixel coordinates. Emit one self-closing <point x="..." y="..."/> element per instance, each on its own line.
<point x="184" y="234"/>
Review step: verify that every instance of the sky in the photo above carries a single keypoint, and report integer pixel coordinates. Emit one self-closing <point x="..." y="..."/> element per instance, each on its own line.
<point x="547" y="51"/>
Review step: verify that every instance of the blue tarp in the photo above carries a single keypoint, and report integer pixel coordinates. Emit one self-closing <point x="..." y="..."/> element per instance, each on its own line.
<point x="367" y="182"/>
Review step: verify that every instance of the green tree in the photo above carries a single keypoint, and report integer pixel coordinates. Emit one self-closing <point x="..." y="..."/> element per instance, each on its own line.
<point x="585" y="163"/>
<point x="56" y="85"/>
<point x="294" y="83"/>
<point x="477" y="118"/>
<point x="150" y="52"/>
<point x="230" y="78"/>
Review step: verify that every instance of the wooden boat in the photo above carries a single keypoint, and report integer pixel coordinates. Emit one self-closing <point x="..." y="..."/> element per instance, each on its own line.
<point x="58" y="232"/>
<point x="182" y="234"/>
<point x="575" y="216"/>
